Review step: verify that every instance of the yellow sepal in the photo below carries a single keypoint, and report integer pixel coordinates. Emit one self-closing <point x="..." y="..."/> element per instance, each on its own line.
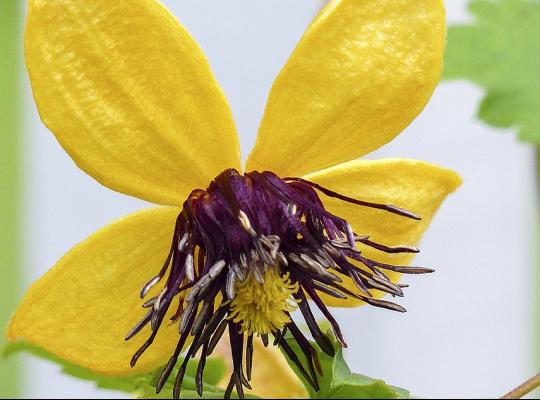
<point x="129" y="95"/>
<point x="272" y="378"/>
<point x="416" y="186"/>
<point x="361" y="73"/>
<point x="83" y="307"/>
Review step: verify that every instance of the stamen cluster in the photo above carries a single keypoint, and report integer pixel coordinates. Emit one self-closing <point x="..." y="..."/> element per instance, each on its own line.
<point x="245" y="253"/>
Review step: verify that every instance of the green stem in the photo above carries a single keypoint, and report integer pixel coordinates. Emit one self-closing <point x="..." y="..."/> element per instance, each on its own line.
<point x="9" y="182"/>
<point x="524" y="388"/>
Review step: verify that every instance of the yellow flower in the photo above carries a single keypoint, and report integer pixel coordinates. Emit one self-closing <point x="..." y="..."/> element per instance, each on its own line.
<point x="130" y="96"/>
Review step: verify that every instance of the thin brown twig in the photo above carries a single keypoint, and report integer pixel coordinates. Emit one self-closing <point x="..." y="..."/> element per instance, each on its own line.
<point x="523" y="389"/>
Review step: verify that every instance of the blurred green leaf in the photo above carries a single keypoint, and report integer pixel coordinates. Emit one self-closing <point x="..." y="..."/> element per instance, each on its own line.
<point x="214" y="371"/>
<point x="500" y="51"/>
<point x="11" y="180"/>
<point x="124" y="384"/>
<point x="338" y="382"/>
<point x="142" y="386"/>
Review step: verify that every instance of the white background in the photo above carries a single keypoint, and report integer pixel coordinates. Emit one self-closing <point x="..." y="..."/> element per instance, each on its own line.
<point x="468" y="329"/>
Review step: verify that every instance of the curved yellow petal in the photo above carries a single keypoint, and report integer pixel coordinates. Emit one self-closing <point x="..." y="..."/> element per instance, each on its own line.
<point x="416" y="186"/>
<point x="82" y="309"/>
<point x="129" y="95"/>
<point x="272" y="378"/>
<point x="359" y="76"/>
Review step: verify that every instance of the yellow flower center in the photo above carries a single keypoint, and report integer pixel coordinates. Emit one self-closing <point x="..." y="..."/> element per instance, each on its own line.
<point x="263" y="307"/>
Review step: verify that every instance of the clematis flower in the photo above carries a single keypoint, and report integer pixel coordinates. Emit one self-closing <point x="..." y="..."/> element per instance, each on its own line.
<point x="131" y="97"/>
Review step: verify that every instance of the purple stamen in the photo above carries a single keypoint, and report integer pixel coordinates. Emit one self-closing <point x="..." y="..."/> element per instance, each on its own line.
<point x="240" y="228"/>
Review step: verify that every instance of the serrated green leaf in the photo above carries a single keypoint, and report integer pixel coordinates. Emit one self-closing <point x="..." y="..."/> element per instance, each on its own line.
<point x="338" y="382"/>
<point x="500" y="51"/>
<point x="143" y="385"/>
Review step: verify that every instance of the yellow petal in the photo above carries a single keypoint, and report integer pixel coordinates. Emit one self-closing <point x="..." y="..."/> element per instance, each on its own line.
<point x="416" y="186"/>
<point x="359" y="76"/>
<point x="82" y="309"/>
<point x="272" y="378"/>
<point x="129" y="95"/>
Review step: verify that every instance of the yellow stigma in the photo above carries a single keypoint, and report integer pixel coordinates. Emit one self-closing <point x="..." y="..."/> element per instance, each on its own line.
<point x="262" y="307"/>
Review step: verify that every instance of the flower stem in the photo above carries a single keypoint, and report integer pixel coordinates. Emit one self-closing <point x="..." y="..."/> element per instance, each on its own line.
<point x="523" y="389"/>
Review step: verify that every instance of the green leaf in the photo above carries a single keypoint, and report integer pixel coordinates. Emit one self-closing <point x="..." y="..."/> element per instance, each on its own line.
<point x="142" y="386"/>
<point x="124" y="384"/>
<point x="338" y="382"/>
<point x="500" y="51"/>
<point x="213" y="373"/>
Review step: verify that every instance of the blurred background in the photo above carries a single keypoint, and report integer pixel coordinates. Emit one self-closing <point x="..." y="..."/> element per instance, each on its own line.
<point x="469" y="330"/>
